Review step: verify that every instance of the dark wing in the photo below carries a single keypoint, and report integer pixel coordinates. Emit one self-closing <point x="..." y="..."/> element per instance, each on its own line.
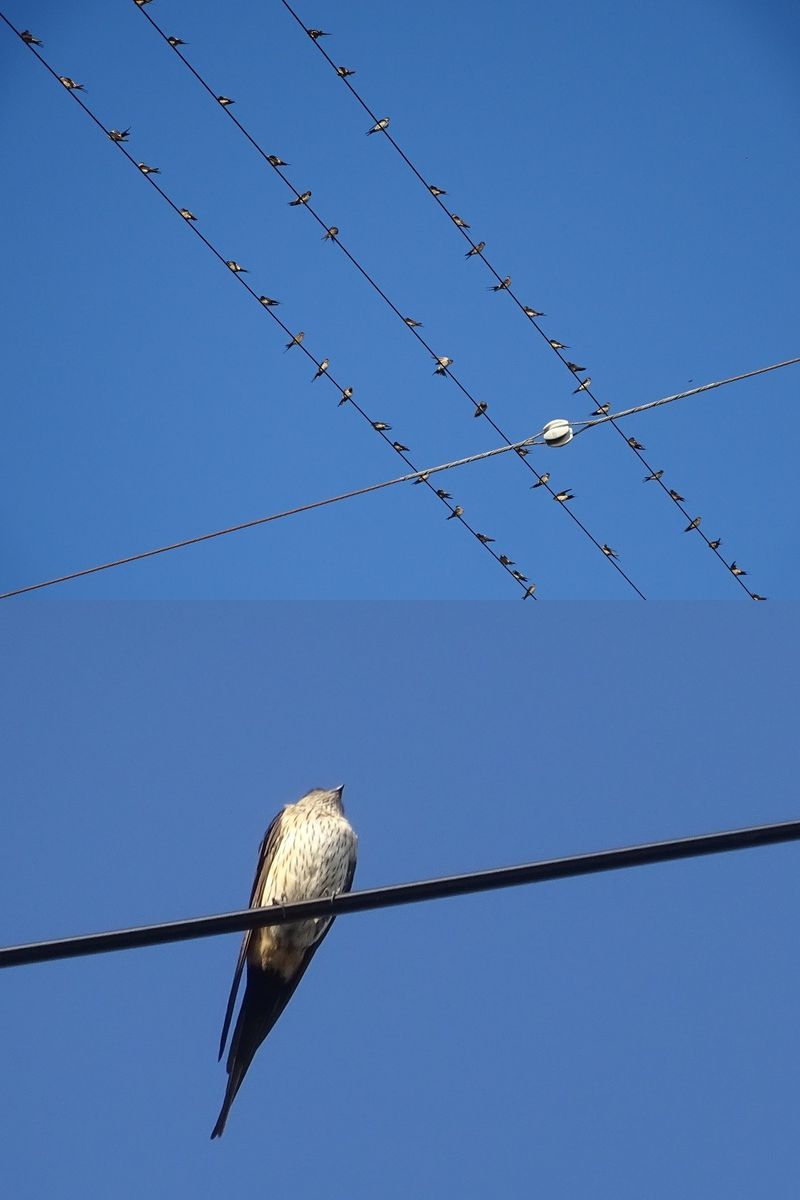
<point x="265" y="853"/>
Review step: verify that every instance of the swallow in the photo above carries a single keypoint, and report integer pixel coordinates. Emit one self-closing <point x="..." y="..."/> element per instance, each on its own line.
<point x="443" y="495"/>
<point x="715" y="545"/>
<point x="522" y="451"/>
<point x="268" y="301"/>
<point x="187" y="214"/>
<point x="480" y="408"/>
<point x="316" y="33"/>
<point x="576" y="370"/>
<point x="175" y="42"/>
<point x="556" y="345"/>
<point x="602" y="410"/>
<point x="143" y="167"/>
<point x="322" y="368"/>
<point x="506" y="561"/>
<point x="380" y="426"/>
<point x="330" y="234"/>
<point x="583" y="385"/>
<point x="609" y="553"/>
<point x="653" y="475"/>
<point x="412" y="324"/>
<point x="532" y="312"/>
<point x="501" y="287"/>
<point x="275" y="161"/>
<point x="225" y="101"/>
<point x="344" y="72"/>
<point x="542" y="480"/>
<point x="481" y="246"/>
<point x="442" y="364"/>
<point x="484" y="537"/>
<point x="755" y="596"/>
<point x="436" y="191"/>
<point x="695" y="524"/>
<point x="29" y="39"/>
<point x="71" y="85"/>
<point x="458" y="511"/>
<point x="119" y="135"/>
<point x="634" y="445"/>
<point x="423" y="477"/>
<point x="302" y="199"/>
<point x="676" y="495"/>
<point x="141" y="3"/>
<point x="520" y="577"/>
<point x="529" y="591"/>
<point x="347" y="394"/>
<point x="379" y="126"/>
<point x="296" y="340"/>
<point x="562" y="497"/>
<point x="736" y="570"/>
<point x="236" y="268"/>
<point x="400" y="448"/>
<point x="458" y="221"/>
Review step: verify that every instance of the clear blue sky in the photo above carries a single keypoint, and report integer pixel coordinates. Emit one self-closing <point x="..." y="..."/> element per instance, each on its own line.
<point x="633" y="169"/>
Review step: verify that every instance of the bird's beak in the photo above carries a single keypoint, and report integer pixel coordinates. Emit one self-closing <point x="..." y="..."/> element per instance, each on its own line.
<point x="339" y="789"/>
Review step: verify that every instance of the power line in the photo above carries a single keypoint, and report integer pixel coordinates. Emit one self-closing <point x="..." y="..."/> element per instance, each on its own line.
<point x="445" y="887"/>
<point x="415" y="477"/>
<point x="504" y="285"/>
<point x="266" y="304"/>
<point x="302" y="199"/>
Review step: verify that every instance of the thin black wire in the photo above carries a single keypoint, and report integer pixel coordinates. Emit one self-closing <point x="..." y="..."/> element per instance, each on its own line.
<point x="325" y="225"/>
<point x="501" y="279"/>
<point x="445" y="887"/>
<point x="521" y="580"/>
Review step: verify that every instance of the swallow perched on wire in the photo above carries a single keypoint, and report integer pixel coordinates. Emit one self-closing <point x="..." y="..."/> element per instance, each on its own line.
<point x="676" y="496"/>
<point x="542" y="480"/>
<point x="556" y="344"/>
<point x="412" y="324"/>
<point x="175" y="42"/>
<point x="71" y="85"/>
<point x="480" y="408"/>
<point x="737" y="570"/>
<point x="634" y="445"/>
<point x="225" y="101"/>
<point x="187" y="214"/>
<point x="344" y="72"/>
<point x="268" y="301"/>
<point x="322" y="368"/>
<point x="602" y="410"/>
<point x="141" y="3"/>
<point x="695" y="524"/>
<point x="379" y="126"/>
<point x="562" y="497"/>
<point x="436" y="191"/>
<point x="301" y="199"/>
<point x="484" y="537"/>
<point x="458" y="511"/>
<point x="309" y="851"/>
<point x="381" y="426"/>
<point x="237" y="268"/>
<point x="478" y="249"/>
<point x="520" y="577"/>
<point x="29" y="39"/>
<point x="459" y="221"/>
<point x="330" y="234"/>
<point x="576" y="370"/>
<point x="119" y="135"/>
<point x="400" y="448"/>
<point x="275" y="161"/>
<point x="443" y="495"/>
<point x="583" y="385"/>
<point x="143" y="167"/>
<point x="715" y="545"/>
<point x="347" y="394"/>
<point x="529" y="591"/>
<point x="442" y="364"/>
<point x="296" y="340"/>
<point x="653" y="475"/>
<point x="502" y="285"/>
<point x="532" y="312"/>
<point x="755" y="596"/>
<point x="316" y="33"/>
<point x="609" y="553"/>
<point x="423" y="477"/>
<point x="506" y="561"/>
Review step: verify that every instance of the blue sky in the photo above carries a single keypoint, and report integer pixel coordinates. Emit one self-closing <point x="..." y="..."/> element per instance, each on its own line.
<point x="633" y="170"/>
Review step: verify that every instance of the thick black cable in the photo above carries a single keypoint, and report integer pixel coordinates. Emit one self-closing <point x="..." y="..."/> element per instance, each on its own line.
<point x="403" y="893"/>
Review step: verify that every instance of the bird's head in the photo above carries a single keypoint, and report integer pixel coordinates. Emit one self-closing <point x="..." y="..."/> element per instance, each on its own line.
<point x="324" y="798"/>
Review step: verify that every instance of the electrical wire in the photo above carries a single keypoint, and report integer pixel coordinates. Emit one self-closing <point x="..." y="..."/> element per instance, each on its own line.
<point x="445" y="887"/>
<point x="478" y="409"/>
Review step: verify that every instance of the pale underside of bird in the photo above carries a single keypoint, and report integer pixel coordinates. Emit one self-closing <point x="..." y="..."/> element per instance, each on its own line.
<point x="308" y="851"/>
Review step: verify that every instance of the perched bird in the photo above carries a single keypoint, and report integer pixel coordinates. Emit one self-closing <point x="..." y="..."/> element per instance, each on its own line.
<point x="458" y="511"/>
<point x="119" y="135"/>
<point x="296" y="340"/>
<point x="225" y="101"/>
<point x="715" y="545"/>
<point x="529" y="591"/>
<point x="412" y="324"/>
<point x="562" y="497"/>
<point x="576" y="370"/>
<point x="303" y="199"/>
<point x="268" y="301"/>
<point x="71" y="84"/>
<point x="542" y="480"/>
<point x="500" y="287"/>
<point x="436" y="191"/>
<point x="29" y="39"/>
<point x="381" y="426"/>
<point x="423" y="477"/>
<point x="484" y="537"/>
<point x="653" y="475"/>
<point x="187" y="214"/>
<point x="556" y="345"/>
<point x="236" y="268"/>
<point x="344" y="72"/>
<point x="379" y="126"/>
<point x="400" y="448"/>
<point x="480" y="408"/>
<point x="459" y="222"/>
<point x="609" y="553"/>
<point x="443" y="495"/>
<point x="520" y="577"/>
<point x="347" y="394"/>
<point x="583" y="385"/>
<point x="506" y="561"/>
<point x="274" y="161"/>
<point x="755" y="596"/>
<point x="141" y="3"/>
<point x="736" y="570"/>
<point x="634" y="445"/>
<point x="478" y="249"/>
<point x="330" y="234"/>
<point x="316" y="33"/>
<point x="532" y="312"/>
<point x="143" y="167"/>
<point x="322" y="368"/>
<point x="676" y="495"/>
<point x="693" y="525"/>
<point x="602" y="410"/>
<point x="175" y="42"/>
<point x="522" y="451"/>
<point x="308" y="851"/>
<point x="442" y="364"/>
